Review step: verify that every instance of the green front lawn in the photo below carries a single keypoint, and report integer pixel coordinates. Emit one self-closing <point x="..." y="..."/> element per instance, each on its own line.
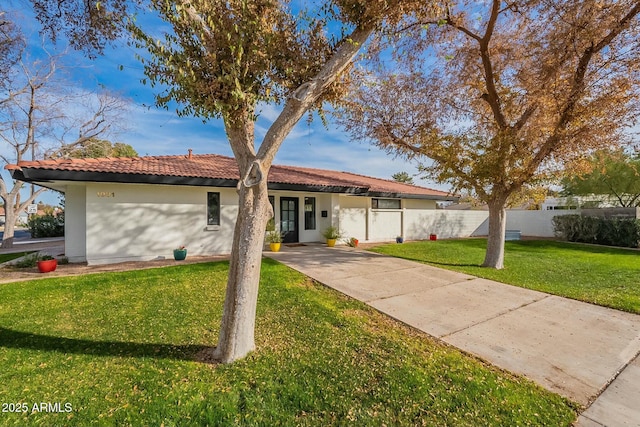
<point x="598" y="275"/>
<point x="8" y="257"/>
<point x="119" y="349"/>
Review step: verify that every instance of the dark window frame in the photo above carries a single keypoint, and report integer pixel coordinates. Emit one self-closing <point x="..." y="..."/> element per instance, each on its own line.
<point x="213" y="219"/>
<point x="310" y="216"/>
<point x="375" y="203"/>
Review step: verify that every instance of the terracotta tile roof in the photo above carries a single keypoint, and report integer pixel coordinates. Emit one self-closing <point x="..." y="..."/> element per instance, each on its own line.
<point x="200" y="166"/>
<point x="212" y="166"/>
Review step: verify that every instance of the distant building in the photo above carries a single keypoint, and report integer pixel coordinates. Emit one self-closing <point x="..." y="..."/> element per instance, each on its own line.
<point x="578" y="202"/>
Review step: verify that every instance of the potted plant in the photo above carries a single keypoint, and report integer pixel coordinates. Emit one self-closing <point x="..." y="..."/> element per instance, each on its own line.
<point x="180" y="253"/>
<point x="352" y="242"/>
<point x="274" y="237"/>
<point x="332" y="234"/>
<point x="47" y="263"/>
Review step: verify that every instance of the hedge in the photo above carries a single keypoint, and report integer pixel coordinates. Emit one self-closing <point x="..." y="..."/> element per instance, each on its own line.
<point x="46" y="225"/>
<point x="600" y="231"/>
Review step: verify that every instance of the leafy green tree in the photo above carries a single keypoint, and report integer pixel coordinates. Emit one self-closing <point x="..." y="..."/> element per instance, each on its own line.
<point x="403" y="177"/>
<point x="96" y="148"/>
<point x="612" y="173"/>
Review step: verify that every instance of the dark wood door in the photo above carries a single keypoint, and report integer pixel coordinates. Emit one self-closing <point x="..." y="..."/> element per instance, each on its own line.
<point x="289" y="219"/>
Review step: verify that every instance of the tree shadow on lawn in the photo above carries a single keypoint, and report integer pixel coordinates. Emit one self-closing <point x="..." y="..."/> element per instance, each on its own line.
<point x="29" y="341"/>
<point x="447" y="264"/>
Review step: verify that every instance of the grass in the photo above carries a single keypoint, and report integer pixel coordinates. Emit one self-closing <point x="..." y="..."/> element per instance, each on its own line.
<point x="599" y="275"/>
<point x="8" y="257"/>
<point x="119" y="349"/>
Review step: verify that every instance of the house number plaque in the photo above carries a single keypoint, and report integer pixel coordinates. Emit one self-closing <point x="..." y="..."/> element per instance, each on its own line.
<point x="106" y="194"/>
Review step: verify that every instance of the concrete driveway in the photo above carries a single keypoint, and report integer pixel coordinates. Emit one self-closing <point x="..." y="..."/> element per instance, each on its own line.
<point x="575" y="349"/>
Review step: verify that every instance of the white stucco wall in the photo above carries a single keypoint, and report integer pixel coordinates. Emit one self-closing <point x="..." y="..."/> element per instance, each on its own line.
<point x="419" y="204"/>
<point x="75" y="223"/>
<point x="530" y="223"/>
<point x="108" y="223"/>
<point x="534" y="223"/>
<point x="359" y="220"/>
<point x="384" y="224"/>
<point x="352" y="218"/>
<point x="144" y="222"/>
<point x="420" y="223"/>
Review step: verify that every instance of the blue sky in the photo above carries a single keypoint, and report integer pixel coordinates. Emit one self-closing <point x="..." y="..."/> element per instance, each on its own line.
<point x="153" y="131"/>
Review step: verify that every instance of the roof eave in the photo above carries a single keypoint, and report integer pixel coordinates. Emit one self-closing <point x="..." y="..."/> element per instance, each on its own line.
<point x="44" y="176"/>
<point x="446" y="197"/>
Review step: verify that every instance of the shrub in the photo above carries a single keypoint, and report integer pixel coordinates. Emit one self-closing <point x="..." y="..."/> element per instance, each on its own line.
<point x="46" y="225"/>
<point x="28" y="261"/>
<point x="331" y="233"/>
<point x="600" y="231"/>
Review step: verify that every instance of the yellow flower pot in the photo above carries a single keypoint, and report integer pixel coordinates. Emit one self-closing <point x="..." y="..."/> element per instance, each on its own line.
<point x="275" y="247"/>
<point x="331" y="242"/>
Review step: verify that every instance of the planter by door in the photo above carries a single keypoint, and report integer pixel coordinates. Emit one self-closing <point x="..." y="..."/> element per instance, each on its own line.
<point x="331" y="242"/>
<point x="179" y="254"/>
<point x="275" y="247"/>
<point x="47" y="265"/>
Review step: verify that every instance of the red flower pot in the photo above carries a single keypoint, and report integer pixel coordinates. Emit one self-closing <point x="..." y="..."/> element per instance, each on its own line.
<point x="433" y="237"/>
<point x="47" y="265"/>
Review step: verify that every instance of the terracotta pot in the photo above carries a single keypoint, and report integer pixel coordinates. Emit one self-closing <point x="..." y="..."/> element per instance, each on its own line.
<point x="47" y="265"/>
<point x="275" y="247"/>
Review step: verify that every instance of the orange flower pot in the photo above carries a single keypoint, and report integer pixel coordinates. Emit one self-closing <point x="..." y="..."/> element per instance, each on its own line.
<point x="47" y="265"/>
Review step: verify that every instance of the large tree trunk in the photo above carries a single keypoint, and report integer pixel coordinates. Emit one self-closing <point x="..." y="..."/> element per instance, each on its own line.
<point x="9" y="226"/>
<point x="237" y="331"/>
<point x="11" y="201"/>
<point x="236" y="338"/>
<point x="494" y="257"/>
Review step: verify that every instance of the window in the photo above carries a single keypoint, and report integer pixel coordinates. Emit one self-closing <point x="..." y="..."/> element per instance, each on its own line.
<point x="213" y="208"/>
<point x="309" y="213"/>
<point x="385" y="203"/>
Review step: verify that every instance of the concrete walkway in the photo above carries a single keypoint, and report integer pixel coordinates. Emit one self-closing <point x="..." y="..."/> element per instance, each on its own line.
<point x="575" y="349"/>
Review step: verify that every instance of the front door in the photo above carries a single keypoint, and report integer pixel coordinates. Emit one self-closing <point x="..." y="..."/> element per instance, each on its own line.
<point x="289" y="219"/>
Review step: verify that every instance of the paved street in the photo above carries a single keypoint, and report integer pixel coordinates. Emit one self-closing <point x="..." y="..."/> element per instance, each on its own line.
<point x="18" y="235"/>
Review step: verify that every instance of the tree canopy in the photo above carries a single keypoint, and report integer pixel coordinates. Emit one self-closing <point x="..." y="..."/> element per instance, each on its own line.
<point x="402" y="177"/>
<point x="96" y="148"/>
<point x="502" y="95"/>
<point x="615" y="174"/>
